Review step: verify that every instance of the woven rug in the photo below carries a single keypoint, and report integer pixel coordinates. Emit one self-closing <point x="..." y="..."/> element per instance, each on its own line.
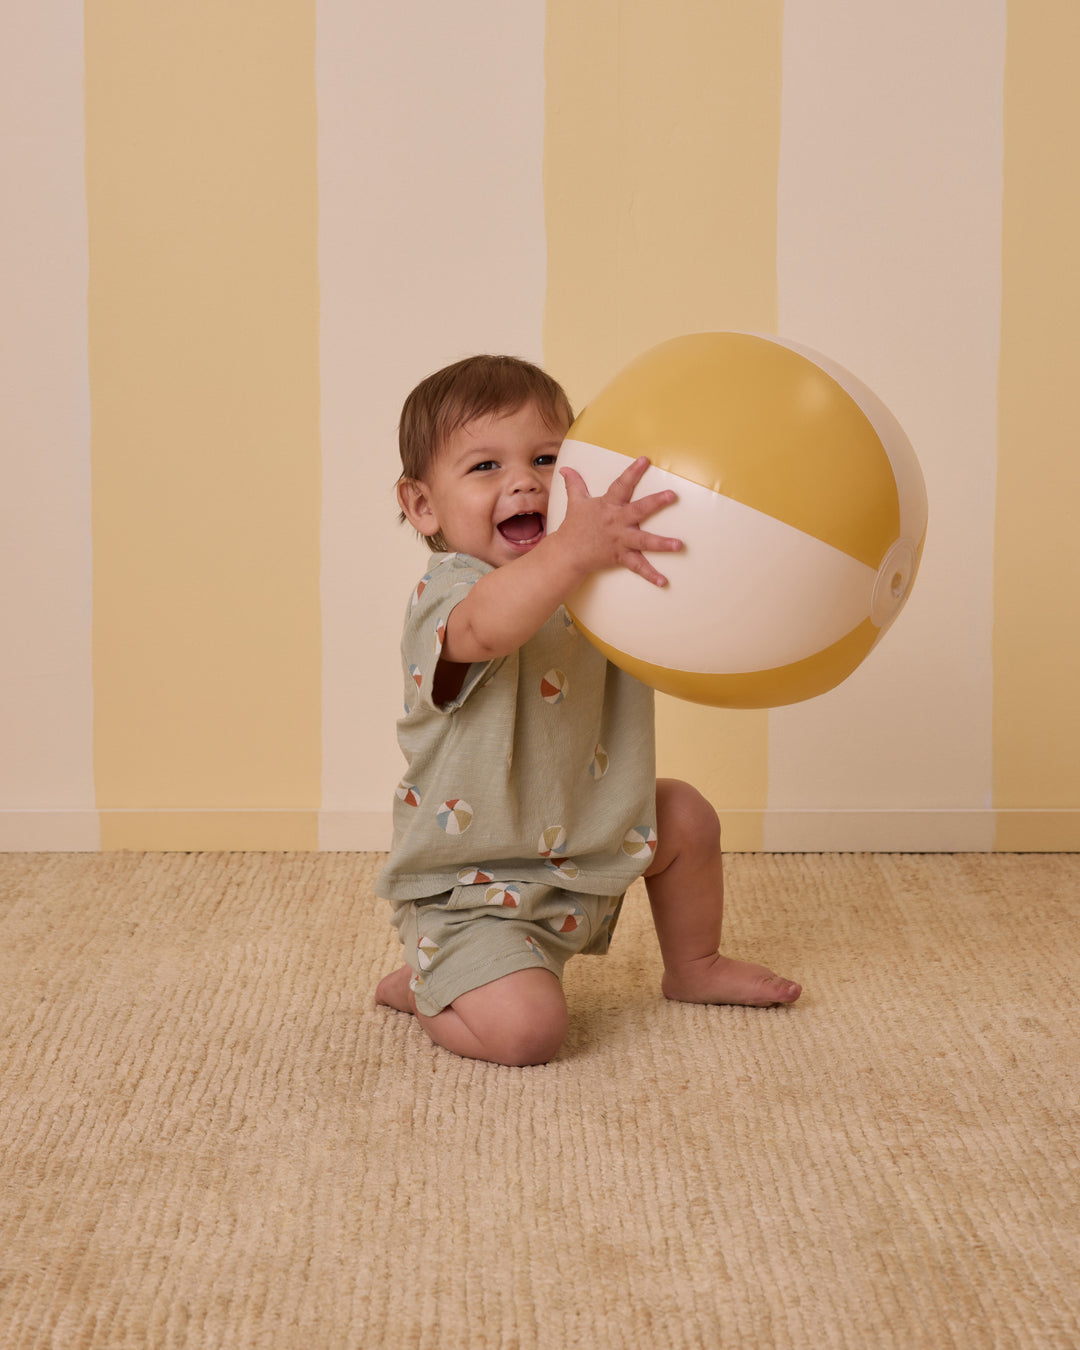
<point x="212" y="1138"/>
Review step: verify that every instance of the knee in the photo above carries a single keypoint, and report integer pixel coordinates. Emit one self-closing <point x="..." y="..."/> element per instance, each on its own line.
<point x="528" y="1043"/>
<point x="519" y="1019"/>
<point x="684" y="816"/>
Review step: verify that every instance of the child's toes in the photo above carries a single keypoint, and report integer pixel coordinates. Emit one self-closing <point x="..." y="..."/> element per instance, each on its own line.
<point x="778" y="990"/>
<point x="393" y="990"/>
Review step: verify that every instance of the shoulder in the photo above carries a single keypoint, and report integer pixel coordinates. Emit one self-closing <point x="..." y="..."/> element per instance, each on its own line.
<point x="432" y="684"/>
<point x="445" y="572"/>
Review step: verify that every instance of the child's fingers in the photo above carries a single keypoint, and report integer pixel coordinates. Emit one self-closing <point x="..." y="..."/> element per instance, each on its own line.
<point x="658" y="543"/>
<point x="655" y="501"/>
<point x="575" y="484"/>
<point x="637" y="562"/>
<point x="622" y="488"/>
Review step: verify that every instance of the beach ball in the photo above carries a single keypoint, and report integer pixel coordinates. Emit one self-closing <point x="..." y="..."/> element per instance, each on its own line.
<point x="801" y="506"/>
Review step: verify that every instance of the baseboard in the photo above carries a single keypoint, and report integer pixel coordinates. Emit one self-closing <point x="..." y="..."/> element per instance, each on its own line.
<point x="937" y="831"/>
<point x="878" y="831"/>
<point x="355" y="831"/>
<point x="91" y="831"/>
<point x="1038" y="832"/>
<point x="50" y="832"/>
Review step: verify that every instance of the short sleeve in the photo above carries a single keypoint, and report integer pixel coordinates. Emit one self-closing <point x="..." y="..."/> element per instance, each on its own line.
<point x="433" y="599"/>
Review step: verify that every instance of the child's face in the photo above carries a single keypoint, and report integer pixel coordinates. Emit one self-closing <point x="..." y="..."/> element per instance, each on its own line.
<point x="487" y="489"/>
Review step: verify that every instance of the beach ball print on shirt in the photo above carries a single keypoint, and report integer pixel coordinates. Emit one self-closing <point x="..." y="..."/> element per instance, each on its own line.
<point x="454" y="816"/>
<point x="640" y="842"/>
<point x="568" y="922"/>
<point x="554" y="687"/>
<point x="475" y="876"/>
<point x="535" y="947"/>
<point x="552" y="846"/>
<point x="408" y="793"/>
<point x="552" y="842"/>
<point x="425" y="953"/>
<point x="507" y="896"/>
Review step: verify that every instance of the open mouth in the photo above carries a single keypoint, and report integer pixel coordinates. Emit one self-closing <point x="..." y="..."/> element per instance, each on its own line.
<point x="527" y="528"/>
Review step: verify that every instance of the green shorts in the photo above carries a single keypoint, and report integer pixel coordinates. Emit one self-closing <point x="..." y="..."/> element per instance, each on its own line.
<point x="474" y="934"/>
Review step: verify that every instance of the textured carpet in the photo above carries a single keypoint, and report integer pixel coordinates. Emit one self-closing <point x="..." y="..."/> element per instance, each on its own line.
<point x="211" y="1137"/>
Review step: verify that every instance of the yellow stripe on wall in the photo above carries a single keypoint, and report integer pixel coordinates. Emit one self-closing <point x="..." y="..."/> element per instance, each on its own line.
<point x="663" y="129"/>
<point x="1037" y="562"/>
<point x="202" y="200"/>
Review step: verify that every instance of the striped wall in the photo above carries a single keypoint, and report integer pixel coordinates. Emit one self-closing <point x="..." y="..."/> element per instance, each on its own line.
<point x="235" y="236"/>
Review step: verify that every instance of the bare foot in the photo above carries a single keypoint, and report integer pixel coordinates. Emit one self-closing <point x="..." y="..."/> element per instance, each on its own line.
<point x="719" y="979"/>
<point x="393" y="991"/>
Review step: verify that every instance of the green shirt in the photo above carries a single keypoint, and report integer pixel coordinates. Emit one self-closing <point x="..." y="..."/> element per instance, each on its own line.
<point x="541" y="769"/>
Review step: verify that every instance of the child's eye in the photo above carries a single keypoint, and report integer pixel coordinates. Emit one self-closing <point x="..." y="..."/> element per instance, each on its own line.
<point x="544" y="460"/>
<point x="483" y="466"/>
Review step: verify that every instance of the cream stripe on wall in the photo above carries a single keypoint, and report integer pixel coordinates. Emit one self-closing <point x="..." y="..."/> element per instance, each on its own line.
<point x="889" y="261"/>
<point x="202" y="197"/>
<point x="46" y="777"/>
<point x="1037" y="561"/>
<point x="431" y="248"/>
<point x="663" y="130"/>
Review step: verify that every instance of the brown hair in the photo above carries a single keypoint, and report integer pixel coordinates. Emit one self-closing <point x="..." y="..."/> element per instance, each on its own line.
<point x="475" y="387"/>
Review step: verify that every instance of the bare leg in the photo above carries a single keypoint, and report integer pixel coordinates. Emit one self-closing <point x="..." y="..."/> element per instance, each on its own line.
<point x="686" y="891"/>
<point x="518" y="1019"/>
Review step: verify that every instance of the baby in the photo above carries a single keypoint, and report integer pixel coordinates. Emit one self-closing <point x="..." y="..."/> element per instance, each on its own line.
<point x="530" y="802"/>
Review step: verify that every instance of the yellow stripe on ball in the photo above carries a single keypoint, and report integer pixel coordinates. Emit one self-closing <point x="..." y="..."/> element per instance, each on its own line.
<point x="795" y="445"/>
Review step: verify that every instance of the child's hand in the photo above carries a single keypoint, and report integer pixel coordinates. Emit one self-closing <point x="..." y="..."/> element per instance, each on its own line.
<point x="606" y="531"/>
<point x="507" y="606"/>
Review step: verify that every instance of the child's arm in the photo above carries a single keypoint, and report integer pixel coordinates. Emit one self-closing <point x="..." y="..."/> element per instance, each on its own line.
<point x="507" y="606"/>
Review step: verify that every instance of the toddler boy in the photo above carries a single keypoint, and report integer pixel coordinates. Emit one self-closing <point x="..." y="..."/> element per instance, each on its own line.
<point x="530" y="801"/>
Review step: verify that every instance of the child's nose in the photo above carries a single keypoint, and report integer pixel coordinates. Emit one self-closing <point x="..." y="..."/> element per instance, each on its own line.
<point x="527" y="478"/>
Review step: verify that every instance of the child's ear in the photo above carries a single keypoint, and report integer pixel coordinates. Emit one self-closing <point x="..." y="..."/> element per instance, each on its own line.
<point x="416" y="505"/>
